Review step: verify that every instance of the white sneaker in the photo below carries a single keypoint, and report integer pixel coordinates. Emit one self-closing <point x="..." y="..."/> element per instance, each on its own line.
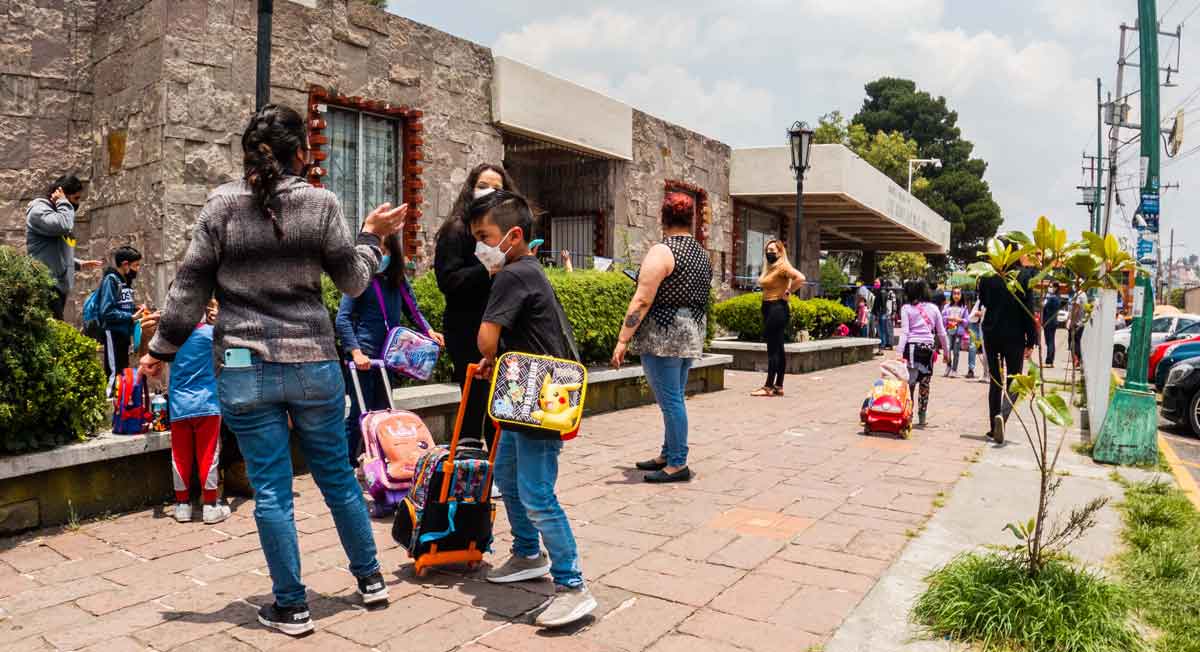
<point x="568" y="605"/>
<point x="215" y="513"/>
<point x="496" y="491"/>
<point x="183" y="512"/>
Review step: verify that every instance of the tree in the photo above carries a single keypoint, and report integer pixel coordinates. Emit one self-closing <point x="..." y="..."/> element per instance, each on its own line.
<point x="957" y="192"/>
<point x="831" y="129"/>
<point x="902" y="266"/>
<point x="1095" y="263"/>
<point x="382" y="4"/>
<point x="889" y="153"/>
<point x="833" y="278"/>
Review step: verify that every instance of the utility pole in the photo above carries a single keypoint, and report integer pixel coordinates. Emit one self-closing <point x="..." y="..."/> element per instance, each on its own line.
<point x="1170" y="264"/>
<point x="1099" y="154"/>
<point x="1129" y="434"/>
<point x="1116" y="119"/>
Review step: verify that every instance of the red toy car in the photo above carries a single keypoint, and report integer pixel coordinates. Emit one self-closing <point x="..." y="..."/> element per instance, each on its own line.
<point x="888" y="408"/>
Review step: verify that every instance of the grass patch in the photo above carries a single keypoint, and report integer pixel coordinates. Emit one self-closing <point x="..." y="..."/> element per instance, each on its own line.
<point x="1084" y="447"/>
<point x="1161" y="565"/>
<point x="989" y="600"/>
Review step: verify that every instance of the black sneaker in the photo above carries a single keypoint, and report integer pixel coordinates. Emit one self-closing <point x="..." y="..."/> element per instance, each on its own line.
<point x="372" y="588"/>
<point x="293" y="621"/>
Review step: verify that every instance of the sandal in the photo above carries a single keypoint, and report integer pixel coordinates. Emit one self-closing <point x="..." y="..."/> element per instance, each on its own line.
<point x="763" y="391"/>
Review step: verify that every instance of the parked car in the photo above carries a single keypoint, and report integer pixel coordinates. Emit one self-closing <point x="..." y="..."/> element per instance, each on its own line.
<point x="1160" y="329"/>
<point x="1183" y="336"/>
<point x="1172" y="357"/>
<point x="1181" y="395"/>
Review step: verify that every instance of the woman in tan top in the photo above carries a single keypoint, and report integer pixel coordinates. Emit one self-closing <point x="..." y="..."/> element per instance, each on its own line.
<point x="778" y="280"/>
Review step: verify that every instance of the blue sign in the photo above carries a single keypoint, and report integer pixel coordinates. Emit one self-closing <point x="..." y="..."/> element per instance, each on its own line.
<point x="1144" y="247"/>
<point x="1149" y="204"/>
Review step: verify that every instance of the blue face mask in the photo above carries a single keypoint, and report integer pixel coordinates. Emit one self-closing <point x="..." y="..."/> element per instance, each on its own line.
<point x="384" y="262"/>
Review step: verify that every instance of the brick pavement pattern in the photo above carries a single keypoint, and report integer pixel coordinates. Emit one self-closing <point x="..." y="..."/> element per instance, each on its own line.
<point x="792" y="517"/>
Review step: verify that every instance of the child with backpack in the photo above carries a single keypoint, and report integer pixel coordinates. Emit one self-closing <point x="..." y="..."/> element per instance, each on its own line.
<point x="525" y="314"/>
<point x="919" y="341"/>
<point x="196" y="422"/>
<point x="113" y="311"/>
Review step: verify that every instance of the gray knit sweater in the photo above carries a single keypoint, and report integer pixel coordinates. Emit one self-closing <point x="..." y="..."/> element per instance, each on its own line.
<point x="269" y="288"/>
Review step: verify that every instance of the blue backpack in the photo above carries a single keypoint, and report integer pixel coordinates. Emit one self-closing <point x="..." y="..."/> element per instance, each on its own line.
<point x="91" y="311"/>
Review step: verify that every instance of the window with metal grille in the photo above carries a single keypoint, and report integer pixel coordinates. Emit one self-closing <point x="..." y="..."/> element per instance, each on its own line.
<point x="575" y="233"/>
<point x="363" y="168"/>
<point x="757" y="229"/>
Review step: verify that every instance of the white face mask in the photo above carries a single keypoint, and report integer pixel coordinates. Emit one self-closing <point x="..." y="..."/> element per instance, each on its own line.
<point x="491" y="257"/>
<point x="484" y="192"/>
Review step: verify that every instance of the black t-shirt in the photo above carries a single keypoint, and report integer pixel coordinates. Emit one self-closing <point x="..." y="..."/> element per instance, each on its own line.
<point x="523" y="303"/>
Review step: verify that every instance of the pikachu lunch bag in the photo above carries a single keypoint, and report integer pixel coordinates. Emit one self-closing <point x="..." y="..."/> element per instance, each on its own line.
<point x="538" y="394"/>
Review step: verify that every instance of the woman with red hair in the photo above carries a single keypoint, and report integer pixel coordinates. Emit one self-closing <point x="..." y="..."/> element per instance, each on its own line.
<point x="673" y="289"/>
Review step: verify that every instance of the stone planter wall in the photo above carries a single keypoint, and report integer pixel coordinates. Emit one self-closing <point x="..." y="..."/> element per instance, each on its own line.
<point x="114" y="473"/>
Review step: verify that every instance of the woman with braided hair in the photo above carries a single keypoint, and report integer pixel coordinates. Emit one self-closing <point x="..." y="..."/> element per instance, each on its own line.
<point x="260" y="246"/>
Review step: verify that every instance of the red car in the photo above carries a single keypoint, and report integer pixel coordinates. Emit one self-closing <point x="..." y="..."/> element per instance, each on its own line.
<point x="1183" y="336"/>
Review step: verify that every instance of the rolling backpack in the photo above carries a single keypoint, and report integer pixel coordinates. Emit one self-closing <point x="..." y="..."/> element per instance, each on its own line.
<point x="131" y="404"/>
<point x="447" y="516"/>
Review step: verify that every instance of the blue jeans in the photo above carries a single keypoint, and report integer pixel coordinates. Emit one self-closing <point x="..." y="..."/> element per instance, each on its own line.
<point x="885" y="330"/>
<point x="668" y="379"/>
<point x="526" y="471"/>
<point x="976" y="338"/>
<point x="255" y="403"/>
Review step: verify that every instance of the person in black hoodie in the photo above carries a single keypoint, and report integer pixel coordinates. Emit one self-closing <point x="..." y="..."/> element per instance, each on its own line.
<point x="466" y="284"/>
<point x="1009" y="335"/>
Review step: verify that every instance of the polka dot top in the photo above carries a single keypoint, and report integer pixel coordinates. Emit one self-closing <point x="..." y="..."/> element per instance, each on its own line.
<point x="676" y="323"/>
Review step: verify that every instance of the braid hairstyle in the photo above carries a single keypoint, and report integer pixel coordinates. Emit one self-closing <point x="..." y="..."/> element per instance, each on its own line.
<point x="269" y="146"/>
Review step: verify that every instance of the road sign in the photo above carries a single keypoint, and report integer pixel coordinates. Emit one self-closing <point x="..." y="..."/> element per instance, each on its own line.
<point x="1149" y="204"/>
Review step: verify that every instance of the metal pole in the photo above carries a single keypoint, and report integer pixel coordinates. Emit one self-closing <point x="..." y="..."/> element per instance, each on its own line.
<point x="1114" y="134"/>
<point x="1170" y="265"/>
<point x="910" y="177"/>
<point x="797" y="241"/>
<point x="262" y="79"/>
<point x="1099" y="158"/>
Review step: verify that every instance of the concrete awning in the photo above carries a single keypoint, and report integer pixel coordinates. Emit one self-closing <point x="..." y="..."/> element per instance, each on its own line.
<point x="545" y="108"/>
<point x="856" y="206"/>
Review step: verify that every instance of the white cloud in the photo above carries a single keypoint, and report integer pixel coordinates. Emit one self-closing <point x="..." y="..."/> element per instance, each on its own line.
<point x="602" y="31"/>
<point x="873" y="12"/>
<point x="724" y="107"/>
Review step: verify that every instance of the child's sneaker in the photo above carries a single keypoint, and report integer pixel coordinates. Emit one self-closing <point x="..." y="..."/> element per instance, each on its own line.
<point x="214" y="514"/>
<point x="520" y="569"/>
<point x="183" y="512"/>
<point x="568" y="606"/>
<point x="293" y="621"/>
<point x="372" y="588"/>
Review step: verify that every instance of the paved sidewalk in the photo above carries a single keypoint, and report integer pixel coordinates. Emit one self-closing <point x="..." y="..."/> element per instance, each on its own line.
<point x="792" y="518"/>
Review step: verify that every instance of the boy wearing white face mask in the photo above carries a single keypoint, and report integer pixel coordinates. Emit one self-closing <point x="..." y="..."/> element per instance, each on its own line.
<point x="523" y="314"/>
<point x="362" y="329"/>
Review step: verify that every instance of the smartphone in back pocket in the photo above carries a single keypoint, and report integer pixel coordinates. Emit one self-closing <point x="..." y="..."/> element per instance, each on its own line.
<point x="237" y="358"/>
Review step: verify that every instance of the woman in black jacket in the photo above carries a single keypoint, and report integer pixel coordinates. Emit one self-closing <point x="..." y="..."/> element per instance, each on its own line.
<point x="466" y="283"/>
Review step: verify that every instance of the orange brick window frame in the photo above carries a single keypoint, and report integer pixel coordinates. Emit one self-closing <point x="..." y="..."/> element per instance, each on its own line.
<point x="411" y="142"/>
<point x="703" y="210"/>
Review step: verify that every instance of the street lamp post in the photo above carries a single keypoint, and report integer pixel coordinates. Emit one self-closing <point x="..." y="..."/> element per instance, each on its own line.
<point x="800" y="143"/>
<point x="937" y="163"/>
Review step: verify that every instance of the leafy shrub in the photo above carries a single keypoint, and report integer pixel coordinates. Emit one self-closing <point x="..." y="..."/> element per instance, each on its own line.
<point x="743" y="315"/>
<point x="595" y="304"/>
<point x="51" y="383"/>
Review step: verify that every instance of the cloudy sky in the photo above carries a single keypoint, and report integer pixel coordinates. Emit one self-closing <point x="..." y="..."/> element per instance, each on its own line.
<point x="1020" y="73"/>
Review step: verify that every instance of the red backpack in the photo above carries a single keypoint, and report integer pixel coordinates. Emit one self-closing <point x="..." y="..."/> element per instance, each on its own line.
<point x="131" y="404"/>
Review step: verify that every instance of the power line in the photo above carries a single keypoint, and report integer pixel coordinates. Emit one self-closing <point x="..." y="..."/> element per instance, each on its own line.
<point x="1189" y="14"/>
<point x="1167" y="10"/>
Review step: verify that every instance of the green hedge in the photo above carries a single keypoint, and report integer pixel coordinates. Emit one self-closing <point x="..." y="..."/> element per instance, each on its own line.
<point x="51" y="383"/>
<point x="743" y="315"/>
<point x="595" y="303"/>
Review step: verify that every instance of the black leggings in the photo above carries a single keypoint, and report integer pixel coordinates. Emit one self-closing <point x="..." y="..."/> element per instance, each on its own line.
<point x="775" y="320"/>
<point x="1011" y="352"/>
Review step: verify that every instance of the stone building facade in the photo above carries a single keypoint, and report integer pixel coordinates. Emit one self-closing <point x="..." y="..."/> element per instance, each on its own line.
<point x="146" y="100"/>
